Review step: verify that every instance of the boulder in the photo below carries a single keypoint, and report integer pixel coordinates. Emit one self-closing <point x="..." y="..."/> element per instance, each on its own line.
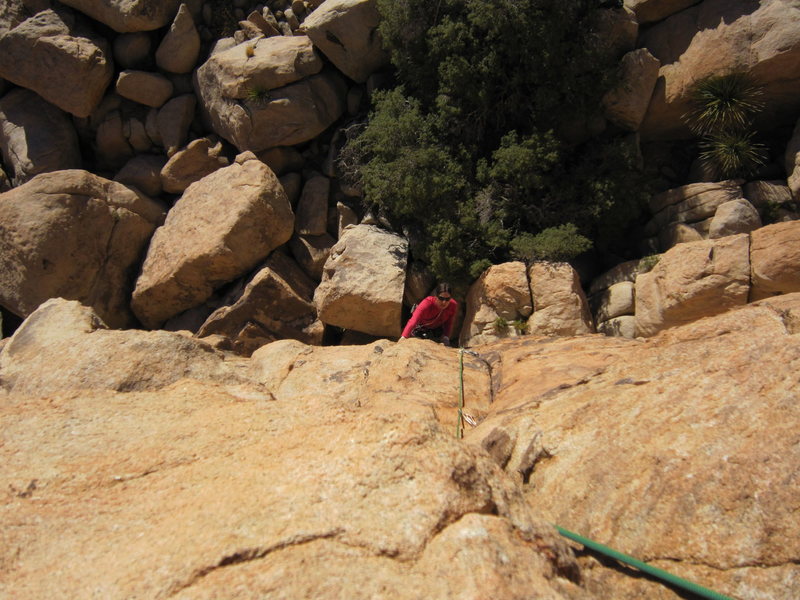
<point x="499" y="297"/>
<point x="268" y="93"/>
<point x="174" y="119"/>
<point x="64" y="346"/>
<point x="180" y="47"/>
<point x="692" y="281"/>
<point x="627" y="104"/>
<point x="735" y="216"/>
<point x="624" y="326"/>
<point x="625" y="271"/>
<point x="312" y="208"/>
<point x="200" y="247"/>
<point x="650" y="11"/>
<point x="720" y="36"/>
<point x="615" y="301"/>
<point x="559" y="303"/>
<point x="769" y="197"/>
<point x="5" y="184"/>
<point x="346" y="32"/>
<point x="775" y="260"/>
<point x="112" y="148"/>
<point x="792" y="162"/>
<point x="689" y="204"/>
<point x="128" y="15"/>
<point x="73" y="235"/>
<point x="657" y="448"/>
<point x="362" y="282"/>
<point x="200" y="158"/>
<point x="311" y="252"/>
<point x="150" y="89"/>
<point x="276" y="304"/>
<point x="143" y="172"/>
<point x="35" y="136"/>
<point x="132" y="50"/>
<point x="55" y="54"/>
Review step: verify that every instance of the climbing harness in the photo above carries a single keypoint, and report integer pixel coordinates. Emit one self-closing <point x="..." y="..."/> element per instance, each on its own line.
<point x="644" y="567"/>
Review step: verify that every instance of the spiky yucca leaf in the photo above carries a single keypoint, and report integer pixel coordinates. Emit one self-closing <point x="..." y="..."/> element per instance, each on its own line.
<point x="723" y="102"/>
<point x="732" y="154"/>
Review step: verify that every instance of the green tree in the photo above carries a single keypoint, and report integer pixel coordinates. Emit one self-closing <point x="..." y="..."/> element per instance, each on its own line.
<point x="466" y="153"/>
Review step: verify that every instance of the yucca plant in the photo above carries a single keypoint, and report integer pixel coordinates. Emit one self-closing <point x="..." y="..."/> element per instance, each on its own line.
<point x="257" y="95"/>
<point x="732" y="154"/>
<point x="723" y="102"/>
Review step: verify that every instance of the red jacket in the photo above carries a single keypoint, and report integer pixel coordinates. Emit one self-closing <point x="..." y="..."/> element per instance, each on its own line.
<point x="429" y="315"/>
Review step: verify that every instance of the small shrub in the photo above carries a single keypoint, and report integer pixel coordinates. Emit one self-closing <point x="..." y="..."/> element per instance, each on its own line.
<point x="647" y="263"/>
<point x="257" y="95"/>
<point x="520" y="325"/>
<point x="500" y="325"/>
<point x="557" y="244"/>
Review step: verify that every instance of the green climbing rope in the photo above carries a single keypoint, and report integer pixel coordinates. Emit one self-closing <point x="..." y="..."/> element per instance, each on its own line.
<point x="459" y="426"/>
<point x="644" y="567"/>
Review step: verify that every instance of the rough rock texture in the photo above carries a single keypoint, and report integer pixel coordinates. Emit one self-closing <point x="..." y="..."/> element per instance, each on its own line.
<point x="35" y="136"/>
<point x="222" y="226"/>
<point x="57" y="56"/>
<point x="500" y="295"/>
<point x="200" y="158"/>
<point x="649" y="11"/>
<point x="615" y="301"/>
<point x="346" y="31"/>
<point x="792" y="162"/>
<point x="143" y="172"/>
<point x="771" y="198"/>
<point x="718" y="36"/>
<point x="174" y="119"/>
<point x="75" y="235"/>
<point x="692" y="281"/>
<point x="735" y="216"/>
<point x="680" y="450"/>
<point x="185" y="492"/>
<point x="269" y="92"/>
<point x="150" y="89"/>
<point x="559" y="303"/>
<point x="312" y="207"/>
<point x="180" y="48"/>
<point x="311" y="252"/>
<point x="276" y="304"/>
<point x="363" y="281"/>
<point x="684" y="214"/>
<point x="128" y="15"/>
<point x="627" y="104"/>
<point x="624" y="326"/>
<point x="775" y="260"/>
<point x="64" y="346"/>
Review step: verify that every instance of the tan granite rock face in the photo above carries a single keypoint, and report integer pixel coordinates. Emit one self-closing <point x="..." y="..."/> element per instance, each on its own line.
<point x="680" y="450"/>
<point x="267" y="488"/>
<point x="775" y="259"/>
<point x="559" y="303"/>
<point x="501" y="292"/>
<point x="692" y="281"/>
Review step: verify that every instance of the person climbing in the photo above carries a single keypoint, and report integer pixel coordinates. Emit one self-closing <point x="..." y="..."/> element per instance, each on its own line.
<point x="434" y="317"/>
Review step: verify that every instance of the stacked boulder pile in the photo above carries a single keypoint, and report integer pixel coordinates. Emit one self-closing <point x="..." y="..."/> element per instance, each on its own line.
<point x="173" y="165"/>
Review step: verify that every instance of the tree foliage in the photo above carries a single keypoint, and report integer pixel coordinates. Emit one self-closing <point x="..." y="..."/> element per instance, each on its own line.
<point x="469" y="153"/>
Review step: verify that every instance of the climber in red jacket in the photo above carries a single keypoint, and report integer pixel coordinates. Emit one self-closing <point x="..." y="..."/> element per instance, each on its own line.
<point x="434" y="317"/>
